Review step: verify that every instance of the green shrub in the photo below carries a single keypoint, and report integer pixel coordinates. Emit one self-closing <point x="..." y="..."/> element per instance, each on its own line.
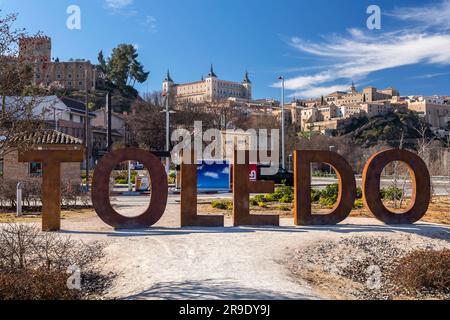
<point x="222" y="204"/>
<point x="359" y="204"/>
<point x="288" y="198"/>
<point x="359" y="193"/>
<point x="284" y="208"/>
<point x="262" y="205"/>
<point x="328" y="202"/>
<point x="121" y="177"/>
<point x="391" y="193"/>
<point x="260" y="198"/>
<point x="315" y="195"/>
<point x="270" y="197"/>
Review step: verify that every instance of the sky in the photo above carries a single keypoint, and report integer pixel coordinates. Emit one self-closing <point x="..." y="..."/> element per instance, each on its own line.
<point x="319" y="46"/>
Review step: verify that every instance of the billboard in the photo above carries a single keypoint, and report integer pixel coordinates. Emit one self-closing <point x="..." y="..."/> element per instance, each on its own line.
<point x="213" y="176"/>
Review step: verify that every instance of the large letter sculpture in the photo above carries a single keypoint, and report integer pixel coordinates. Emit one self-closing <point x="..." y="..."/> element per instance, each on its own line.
<point x="302" y="180"/>
<point x="51" y="181"/>
<point x="159" y="189"/>
<point x="242" y="187"/>
<point x="421" y="184"/>
<point x="189" y="217"/>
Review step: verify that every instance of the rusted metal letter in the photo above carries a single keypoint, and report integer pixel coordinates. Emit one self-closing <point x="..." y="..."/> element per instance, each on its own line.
<point x="242" y="187"/>
<point x="51" y="181"/>
<point x="159" y="189"/>
<point x="189" y="217"/>
<point x="421" y="185"/>
<point x="302" y="180"/>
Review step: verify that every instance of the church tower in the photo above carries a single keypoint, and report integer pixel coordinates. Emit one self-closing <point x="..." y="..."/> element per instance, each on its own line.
<point x="167" y="83"/>
<point x="247" y="84"/>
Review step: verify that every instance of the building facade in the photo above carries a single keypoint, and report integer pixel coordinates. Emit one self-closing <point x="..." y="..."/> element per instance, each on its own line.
<point x="71" y="75"/>
<point x="369" y="94"/>
<point x="209" y="89"/>
<point x="12" y="169"/>
<point x="435" y="110"/>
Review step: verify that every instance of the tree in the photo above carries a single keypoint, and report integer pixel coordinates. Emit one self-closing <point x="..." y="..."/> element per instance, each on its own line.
<point x="17" y="116"/>
<point x="147" y="123"/>
<point x="102" y="62"/>
<point x="123" y="67"/>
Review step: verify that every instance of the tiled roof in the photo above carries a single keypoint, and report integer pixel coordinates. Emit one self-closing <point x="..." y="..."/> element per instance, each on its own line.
<point x="49" y="137"/>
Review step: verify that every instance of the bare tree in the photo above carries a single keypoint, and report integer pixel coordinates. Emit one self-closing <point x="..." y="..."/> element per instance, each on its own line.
<point x="424" y="143"/>
<point x="17" y="97"/>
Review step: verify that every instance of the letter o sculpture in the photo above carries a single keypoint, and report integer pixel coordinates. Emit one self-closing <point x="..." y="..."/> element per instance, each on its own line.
<point x="421" y="184"/>
<point x="159" y="187"/>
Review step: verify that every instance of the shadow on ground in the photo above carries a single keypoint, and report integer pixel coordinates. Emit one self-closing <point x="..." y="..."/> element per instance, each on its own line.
<point x="426" y="230"/>
<point x="211" y="290"/>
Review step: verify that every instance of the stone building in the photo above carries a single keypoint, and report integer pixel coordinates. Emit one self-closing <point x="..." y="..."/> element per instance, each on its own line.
<point x="12" y="169"/>
<point x="435" y="110"/>
<point x="76" y="74"/>
<point x="209" y="89"/>
<point x="369" y="94"/>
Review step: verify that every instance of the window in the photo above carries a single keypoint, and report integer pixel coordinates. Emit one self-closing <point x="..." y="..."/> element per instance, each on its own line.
<point x="1" y="167"/>
<point x="35" y="169"/>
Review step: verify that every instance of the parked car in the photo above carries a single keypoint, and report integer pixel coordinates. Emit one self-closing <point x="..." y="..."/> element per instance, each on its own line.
<point x="137" y="166"/>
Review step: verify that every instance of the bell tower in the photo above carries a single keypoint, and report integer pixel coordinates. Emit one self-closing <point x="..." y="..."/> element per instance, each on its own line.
<point x="247" y="84"/>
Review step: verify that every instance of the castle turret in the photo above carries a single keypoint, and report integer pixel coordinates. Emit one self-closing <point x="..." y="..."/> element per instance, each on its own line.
<point x="211" y="73"/>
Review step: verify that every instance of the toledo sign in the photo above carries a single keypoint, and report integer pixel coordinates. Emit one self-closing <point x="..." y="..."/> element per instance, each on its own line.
<point x="242" y="188"/>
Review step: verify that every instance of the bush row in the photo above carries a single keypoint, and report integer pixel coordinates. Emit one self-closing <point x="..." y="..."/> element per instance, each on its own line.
<point x="71" y="193"/>
<point x="326" y="197"/>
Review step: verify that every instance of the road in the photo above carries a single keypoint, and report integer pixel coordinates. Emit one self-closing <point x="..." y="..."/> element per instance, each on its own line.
<point x="441" y="188"/>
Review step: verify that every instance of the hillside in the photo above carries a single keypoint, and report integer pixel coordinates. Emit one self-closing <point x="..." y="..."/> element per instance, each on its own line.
<point x="97" y="100"/>
<point x="387" y="129"/>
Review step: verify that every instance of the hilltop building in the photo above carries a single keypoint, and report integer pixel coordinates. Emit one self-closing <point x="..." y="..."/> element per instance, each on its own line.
<point x="369" y="94"/>
<point x="209" y="89"/>
<point x="435" y="110"/>
<point x="71" y="75"/>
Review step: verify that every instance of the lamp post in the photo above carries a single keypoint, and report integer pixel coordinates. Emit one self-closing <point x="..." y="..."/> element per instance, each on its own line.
<point x="331" y="148"/>
<point x="168" y="112"/>
<point x="283" y="146"/>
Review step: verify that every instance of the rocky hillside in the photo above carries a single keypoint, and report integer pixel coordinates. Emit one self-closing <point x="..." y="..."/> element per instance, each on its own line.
<point x="389" y="129"/>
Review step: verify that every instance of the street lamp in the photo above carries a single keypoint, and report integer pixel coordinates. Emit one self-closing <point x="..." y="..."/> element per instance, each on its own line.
<point x="331" y="148"/>
<point x="283" y="155"/>
<point x="168" y="112"/>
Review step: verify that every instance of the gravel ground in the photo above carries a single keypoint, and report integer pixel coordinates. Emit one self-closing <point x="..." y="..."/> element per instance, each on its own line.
<point x="360" y="267"/>
<point x="167" y="262"/>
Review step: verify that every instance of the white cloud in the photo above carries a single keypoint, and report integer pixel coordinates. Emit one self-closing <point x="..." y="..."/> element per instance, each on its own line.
<point x="432" y="75"/>
<point x="360" y="53"/>
<point x="150" y="24"/>
<point x="317" y="91"/>
<point x="118" y="4"/>
<point x="430" y="16"/>
<point x="212" y="175"/>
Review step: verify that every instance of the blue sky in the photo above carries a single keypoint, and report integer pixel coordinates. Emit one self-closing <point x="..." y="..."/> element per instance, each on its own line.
<point x="320" y="46"/>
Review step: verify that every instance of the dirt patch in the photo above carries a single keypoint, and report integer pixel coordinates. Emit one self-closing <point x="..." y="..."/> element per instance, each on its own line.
<point x="363" y="268"/>
<point x="35" y="218"/>
<point x="439" y="210"/>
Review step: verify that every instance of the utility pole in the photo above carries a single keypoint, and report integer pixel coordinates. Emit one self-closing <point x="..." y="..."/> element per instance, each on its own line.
<point x="167" y="132"/>
<point x="87" y="123"/>
<point x="108" y="114"/>
<point x="283" y="145"/>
